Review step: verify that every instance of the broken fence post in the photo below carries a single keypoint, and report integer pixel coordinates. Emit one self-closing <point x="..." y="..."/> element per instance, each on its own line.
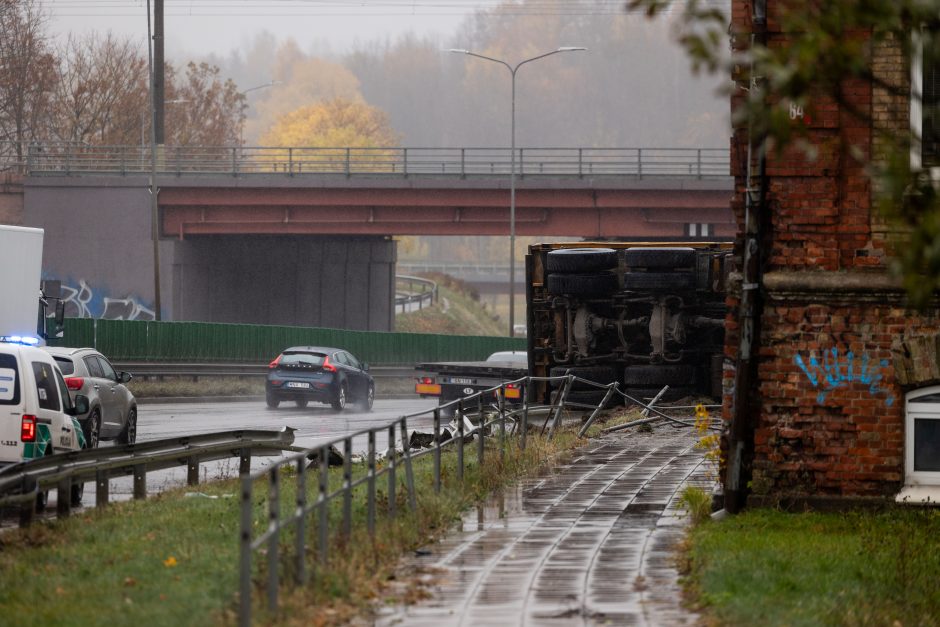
<point x="597" y="410"/>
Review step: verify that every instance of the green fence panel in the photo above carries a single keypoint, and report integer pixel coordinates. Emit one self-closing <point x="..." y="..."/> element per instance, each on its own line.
<point x="77" y="332"/>
<point x="135" y="340"/>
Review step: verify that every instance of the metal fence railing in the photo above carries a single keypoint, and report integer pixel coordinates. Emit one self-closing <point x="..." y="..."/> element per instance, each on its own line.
<point x="488" y="415"/>
<point x="481" y="414"/>
<point x="76" y="159"/>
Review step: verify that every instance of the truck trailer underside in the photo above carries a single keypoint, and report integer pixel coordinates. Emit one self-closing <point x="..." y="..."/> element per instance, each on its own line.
<point x="644" y="315"/>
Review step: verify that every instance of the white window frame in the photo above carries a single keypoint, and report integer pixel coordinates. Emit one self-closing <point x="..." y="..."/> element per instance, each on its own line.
<point x="923" y="411"/>
<point x="917" y="97"/>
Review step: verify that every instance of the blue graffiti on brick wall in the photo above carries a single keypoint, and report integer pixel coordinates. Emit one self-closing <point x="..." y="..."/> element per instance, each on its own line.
<point x="839" y="369"/>
<point x="81" y="301"/>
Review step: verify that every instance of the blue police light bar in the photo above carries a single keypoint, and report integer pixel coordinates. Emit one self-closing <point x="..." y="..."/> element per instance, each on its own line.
<point x="19" y="339"/>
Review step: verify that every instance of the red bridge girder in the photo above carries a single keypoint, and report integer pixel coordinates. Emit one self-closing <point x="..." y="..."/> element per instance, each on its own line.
<point x="188" y="211"/>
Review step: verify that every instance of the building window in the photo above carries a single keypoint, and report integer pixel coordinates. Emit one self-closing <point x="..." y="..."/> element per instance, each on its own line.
<point x="696" y="229"/>
<point x="925" y="103"/>
<point x="922" y="437"/>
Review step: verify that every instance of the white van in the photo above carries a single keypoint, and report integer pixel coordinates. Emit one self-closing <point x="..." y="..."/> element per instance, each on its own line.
<point x="37" y="416"/>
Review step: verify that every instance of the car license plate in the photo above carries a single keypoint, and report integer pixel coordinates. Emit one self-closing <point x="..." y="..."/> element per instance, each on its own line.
<point x="297" y="384"/>
<point x="461" y="381"/>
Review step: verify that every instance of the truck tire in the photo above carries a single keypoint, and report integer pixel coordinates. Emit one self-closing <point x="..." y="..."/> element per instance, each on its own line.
<point x="663" y="374"/>
<point x="598" y="374"/>
<point x="659" y="258"/>
<point x="581" y="260"/>
<point x="594" y="398"/>
<point x="658" y="281"/>
<point x="585" y="285"/>
<point x="672" y="394"/>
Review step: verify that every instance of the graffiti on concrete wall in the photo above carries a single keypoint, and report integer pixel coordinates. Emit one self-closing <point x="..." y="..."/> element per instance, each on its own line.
<point x="82" y="301"/>
<point x="836" y="369"/>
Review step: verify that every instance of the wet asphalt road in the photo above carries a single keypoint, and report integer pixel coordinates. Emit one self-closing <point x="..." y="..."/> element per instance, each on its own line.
<point x="313" y="425"/>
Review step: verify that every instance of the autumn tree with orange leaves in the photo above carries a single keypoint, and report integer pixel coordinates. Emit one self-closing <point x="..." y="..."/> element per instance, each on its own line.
<point x="333" y="123"/>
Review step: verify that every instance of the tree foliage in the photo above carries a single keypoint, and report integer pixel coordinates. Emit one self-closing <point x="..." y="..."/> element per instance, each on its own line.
<point x="610" y="95"/>
<point x="206" y="110"/>
<point x="830" y="57"/>
<point x="101" y="92"/>
<point x="94" y="90"/>
<point x="298" y="80"/>
<point x="633" y="86"/>
<point x="27" y="74"/>
<point x="331" y="124"/>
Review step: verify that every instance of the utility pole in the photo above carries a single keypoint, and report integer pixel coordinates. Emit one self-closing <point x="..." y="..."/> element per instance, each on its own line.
<point x="159" y="75"/>
<point x="154" y="190"/>
<point x="757" y="226"/>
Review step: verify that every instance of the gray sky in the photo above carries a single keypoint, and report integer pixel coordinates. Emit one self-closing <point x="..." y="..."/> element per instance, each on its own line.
<point x="198" y="27"/>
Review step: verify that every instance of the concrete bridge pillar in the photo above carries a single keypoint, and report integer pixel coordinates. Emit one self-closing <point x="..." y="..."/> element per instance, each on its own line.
<point x="11" y="199"/>
<point x="338" y="282"/>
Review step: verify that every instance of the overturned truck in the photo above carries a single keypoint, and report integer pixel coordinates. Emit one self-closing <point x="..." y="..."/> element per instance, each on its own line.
<point x="643" y="315"/>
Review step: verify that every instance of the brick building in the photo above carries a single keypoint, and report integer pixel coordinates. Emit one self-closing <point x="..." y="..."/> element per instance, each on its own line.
<point x="820" y="403"/>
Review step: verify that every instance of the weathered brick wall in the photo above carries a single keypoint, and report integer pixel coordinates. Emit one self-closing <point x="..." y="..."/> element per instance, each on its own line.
<point x="831" y="417"/>
<point x="827" y="409"/>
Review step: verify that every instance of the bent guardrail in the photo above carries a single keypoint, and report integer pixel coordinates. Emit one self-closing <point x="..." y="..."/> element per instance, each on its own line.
<point x="494" y="416"/>
<point x="508" y="421"/>
<point x="20" y="484"/>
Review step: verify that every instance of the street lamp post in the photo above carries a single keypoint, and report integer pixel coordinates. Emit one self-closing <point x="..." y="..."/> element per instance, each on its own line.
<point x="512" y="166"/>
<point x="241" y="128"/>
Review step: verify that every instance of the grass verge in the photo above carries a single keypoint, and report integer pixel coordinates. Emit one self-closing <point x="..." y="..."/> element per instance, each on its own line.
<point x="173" y="560"/>
<point x="204" y="386"/>
<point x="859" y="568"/>
<point x="457" y="312"/>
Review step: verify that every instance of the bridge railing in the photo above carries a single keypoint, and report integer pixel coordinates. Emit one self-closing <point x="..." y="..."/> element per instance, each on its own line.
<point x="74" y="159"/>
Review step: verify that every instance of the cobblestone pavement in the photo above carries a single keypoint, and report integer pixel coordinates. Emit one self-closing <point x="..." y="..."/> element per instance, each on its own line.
<point x="589" y="543"/>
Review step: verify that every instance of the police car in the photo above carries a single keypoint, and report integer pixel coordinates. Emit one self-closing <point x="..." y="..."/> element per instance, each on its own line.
<point x="37" y="415"/>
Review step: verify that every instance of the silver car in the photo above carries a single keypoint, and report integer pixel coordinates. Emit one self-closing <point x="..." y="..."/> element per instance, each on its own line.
<point x="112" y="408"/>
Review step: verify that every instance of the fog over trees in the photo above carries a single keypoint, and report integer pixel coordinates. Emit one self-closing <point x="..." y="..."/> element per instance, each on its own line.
<point x="633" y="87"/>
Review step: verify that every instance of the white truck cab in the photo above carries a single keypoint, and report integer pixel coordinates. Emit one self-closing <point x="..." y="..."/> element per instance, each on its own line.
<point x="37" y="416"/>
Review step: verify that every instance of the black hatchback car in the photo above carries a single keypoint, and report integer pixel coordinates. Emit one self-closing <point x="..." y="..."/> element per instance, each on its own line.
<point x="316" y="373"/>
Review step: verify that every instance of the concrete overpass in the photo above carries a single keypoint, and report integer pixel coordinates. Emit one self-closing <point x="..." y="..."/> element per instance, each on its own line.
<point x="245" y="231"/>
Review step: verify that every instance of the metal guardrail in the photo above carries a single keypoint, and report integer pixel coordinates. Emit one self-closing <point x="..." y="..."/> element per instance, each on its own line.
<point x="78" y="159"/>
<point x="424" y="298"/>
<point x="507" y="422"/>
<point x="20" y="484"/>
